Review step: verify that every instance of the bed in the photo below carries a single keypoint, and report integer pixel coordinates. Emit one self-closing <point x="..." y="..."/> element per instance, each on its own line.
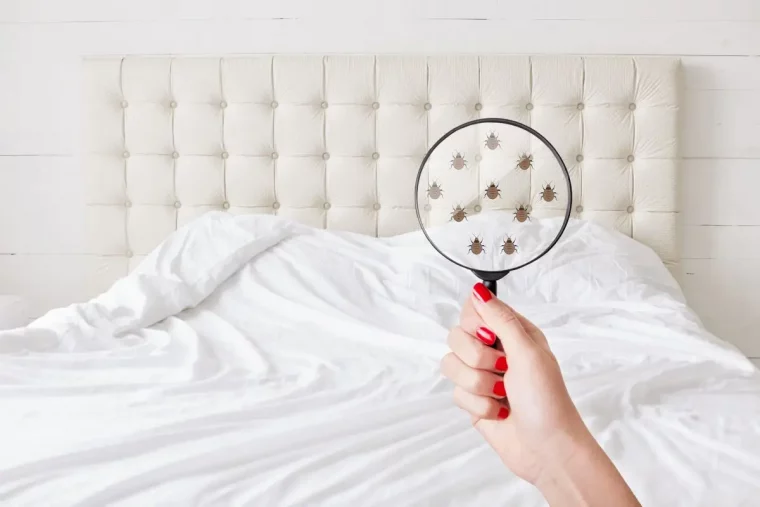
<point x="271" y="327"/>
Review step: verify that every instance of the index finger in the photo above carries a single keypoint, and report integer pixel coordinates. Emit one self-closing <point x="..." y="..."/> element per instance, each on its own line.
<point x="470" y="322"/>
<point x="500" y="318"/>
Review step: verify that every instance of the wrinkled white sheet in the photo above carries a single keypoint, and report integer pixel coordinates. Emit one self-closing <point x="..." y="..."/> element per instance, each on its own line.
<point x="254" y="361"/>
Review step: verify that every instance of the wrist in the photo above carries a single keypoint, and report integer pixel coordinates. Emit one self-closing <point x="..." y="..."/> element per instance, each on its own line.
<point x="568" y="452"/>
<point x="558" y="483"/>
<point x="583" y="475"/>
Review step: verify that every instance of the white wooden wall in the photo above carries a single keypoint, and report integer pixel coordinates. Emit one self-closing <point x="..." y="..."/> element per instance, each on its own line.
<point x="41" y="42"/>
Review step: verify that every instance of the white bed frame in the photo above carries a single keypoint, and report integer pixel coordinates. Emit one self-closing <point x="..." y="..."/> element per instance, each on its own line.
<point x="336" y="141"/>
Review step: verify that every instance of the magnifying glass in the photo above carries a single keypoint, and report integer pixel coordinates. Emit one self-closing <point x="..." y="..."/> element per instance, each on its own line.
<point x="517" y="174"/>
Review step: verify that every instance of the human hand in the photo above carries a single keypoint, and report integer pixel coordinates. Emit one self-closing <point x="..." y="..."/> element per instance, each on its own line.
<point x="514" y="393"/>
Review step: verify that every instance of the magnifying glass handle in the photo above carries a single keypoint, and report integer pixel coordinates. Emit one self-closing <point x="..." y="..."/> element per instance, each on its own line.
<point x="491" y="285"/>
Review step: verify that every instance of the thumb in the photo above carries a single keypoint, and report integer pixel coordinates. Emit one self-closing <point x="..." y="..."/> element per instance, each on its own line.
<point x="500" y="319"/>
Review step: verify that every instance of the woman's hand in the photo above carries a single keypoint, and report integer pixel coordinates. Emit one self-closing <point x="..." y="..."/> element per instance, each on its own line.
<point x="515" y="393"/>
<point x="518" y="401"/>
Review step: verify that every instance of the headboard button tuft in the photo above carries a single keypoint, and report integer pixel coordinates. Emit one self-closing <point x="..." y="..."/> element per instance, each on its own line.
<point x="301" y="135"/>
<point x="177" y="204"/>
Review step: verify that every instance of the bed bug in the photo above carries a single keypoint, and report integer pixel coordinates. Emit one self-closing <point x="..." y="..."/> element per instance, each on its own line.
<point x="458" y="162"/>
<point x="458" y="214"/>
<point x="521" y="214"/>
<point x="509" y="247"/>
<point x="493" y="191"/>
<point x="525" y="161"/>
<point x="476" y="246"/>
<point x="548" y="194"/>
<point x="434" y="191"/>
<point x="492" y="141"/>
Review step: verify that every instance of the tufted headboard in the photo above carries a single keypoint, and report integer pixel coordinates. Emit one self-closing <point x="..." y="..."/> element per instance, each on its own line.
<point x="335" y="141"/>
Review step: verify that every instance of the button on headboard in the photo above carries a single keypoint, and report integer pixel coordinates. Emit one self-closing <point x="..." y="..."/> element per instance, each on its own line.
<point x="335" y="141"/>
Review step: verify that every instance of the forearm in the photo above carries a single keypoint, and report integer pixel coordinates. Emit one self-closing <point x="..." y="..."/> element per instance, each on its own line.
<point x="587" y="478"/>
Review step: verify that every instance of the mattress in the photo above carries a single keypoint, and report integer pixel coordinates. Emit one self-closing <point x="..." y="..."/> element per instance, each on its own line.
<point x="252" y="360"/>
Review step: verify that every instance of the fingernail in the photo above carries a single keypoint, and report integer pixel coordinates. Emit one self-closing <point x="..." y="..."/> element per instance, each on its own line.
<point x="486" y="336"/>
<point x="501" y="364"/>
<point x="482" y="292"/>
<point x="498" y="389"/>
<point x="503" y="413"/>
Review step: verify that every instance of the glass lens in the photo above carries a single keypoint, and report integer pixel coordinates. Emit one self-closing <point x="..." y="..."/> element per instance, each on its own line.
<point x="500" y="190"/>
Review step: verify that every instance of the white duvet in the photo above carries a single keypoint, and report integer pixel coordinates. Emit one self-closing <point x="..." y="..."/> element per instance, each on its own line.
<point x="254" y="361"/>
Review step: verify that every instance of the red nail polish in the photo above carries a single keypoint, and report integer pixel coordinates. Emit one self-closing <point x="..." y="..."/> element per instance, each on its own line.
<point x="503" y="413"/>
<point x="501" y="364"/>
<point x="482" y="292"/>
<point x="498" y="389"/>
<point x="486" y="336"/>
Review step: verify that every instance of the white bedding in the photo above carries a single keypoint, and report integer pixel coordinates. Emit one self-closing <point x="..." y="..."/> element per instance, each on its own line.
<point x="254" y="361"/>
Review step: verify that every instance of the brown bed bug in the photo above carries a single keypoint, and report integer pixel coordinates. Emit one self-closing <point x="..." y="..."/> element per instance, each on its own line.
<point x="509" y="247"/>
<point x="525" y="161"/>
<point x="493" y="191"/>
<point x="548" y="194"/>
<point x="458" y="162"/>
<point x="434" y="191"/>
<point x="521" y="214"/>
<point x="492" y="141"/>
<point x="476" y="246"/>
<point x="458" y="214"/>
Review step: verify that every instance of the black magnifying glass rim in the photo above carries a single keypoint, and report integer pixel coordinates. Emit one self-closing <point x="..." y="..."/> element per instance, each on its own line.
<point x="486" y="274"/>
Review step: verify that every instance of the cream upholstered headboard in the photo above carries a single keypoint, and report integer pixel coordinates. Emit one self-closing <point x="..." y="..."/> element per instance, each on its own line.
<point x="335" y="141"/>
